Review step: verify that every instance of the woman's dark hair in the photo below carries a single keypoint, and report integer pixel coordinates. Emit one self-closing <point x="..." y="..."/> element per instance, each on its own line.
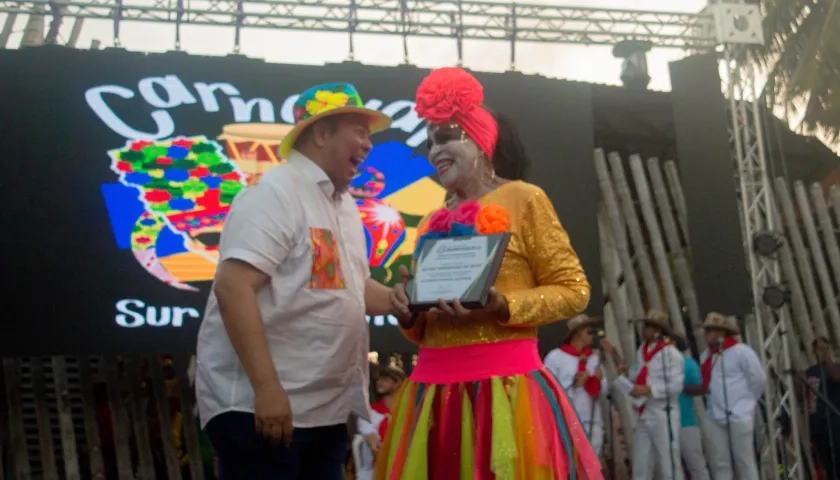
<point x="510" y="159"/>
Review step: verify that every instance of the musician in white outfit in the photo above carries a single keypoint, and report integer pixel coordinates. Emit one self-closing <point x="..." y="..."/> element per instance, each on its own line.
<point x="657" y="383"/>
<point x="577" y="369"/>
<point x="734" y="381"/>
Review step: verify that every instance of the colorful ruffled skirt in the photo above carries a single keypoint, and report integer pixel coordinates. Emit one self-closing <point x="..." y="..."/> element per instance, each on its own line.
<point x="484" y="412"/>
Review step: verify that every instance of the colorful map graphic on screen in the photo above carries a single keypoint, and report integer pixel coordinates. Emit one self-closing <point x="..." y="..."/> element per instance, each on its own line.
<point x="170" y="198"/>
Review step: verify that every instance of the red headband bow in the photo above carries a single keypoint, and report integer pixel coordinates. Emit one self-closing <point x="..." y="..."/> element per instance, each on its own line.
<point x="451" y="94"/>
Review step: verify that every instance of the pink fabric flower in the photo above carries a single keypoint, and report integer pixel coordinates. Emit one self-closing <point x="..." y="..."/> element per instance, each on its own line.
<point x="440" y="221"/>
<point x="466" y="212"/>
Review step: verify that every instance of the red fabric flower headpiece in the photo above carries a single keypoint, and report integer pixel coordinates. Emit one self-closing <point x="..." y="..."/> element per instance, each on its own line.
<point x="451" y="94"/>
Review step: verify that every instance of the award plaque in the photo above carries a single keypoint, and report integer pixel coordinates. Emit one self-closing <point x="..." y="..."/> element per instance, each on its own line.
<point x="456" y="267"/>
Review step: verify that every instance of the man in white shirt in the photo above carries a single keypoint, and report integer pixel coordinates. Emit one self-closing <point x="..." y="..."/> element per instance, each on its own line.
<point x="577" y="369"/>
<point x="658" y="381"/>
<point x="734" y="381"/>
<point x="282" y="351"/>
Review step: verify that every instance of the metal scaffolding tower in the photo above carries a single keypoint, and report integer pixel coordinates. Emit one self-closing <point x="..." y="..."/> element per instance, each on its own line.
<point x="727" y="27"/>
<point x="779" y="457"/>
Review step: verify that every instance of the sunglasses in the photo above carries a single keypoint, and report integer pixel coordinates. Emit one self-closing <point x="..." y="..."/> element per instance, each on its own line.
<point x="446" y="134"/>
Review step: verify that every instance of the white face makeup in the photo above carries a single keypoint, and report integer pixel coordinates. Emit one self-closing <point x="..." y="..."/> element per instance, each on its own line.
<point x="453" y="154"/>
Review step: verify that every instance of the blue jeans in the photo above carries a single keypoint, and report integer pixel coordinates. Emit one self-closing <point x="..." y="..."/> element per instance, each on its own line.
<point x="314" y="454"/>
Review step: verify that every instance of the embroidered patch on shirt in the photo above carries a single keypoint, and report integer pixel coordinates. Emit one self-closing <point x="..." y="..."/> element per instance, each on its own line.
<point x="326" y="261"/>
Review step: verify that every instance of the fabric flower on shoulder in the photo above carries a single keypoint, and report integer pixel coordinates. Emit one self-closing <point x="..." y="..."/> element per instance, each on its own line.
<point x="440" y="221"/>
<point x="437" y="226"/>
<point x="492" y="219"/>
<point x="466" y="212"/>
<point x="463" y="219"/>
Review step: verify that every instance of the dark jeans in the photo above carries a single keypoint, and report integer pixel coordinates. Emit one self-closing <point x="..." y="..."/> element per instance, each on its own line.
<point x="315" y="453"/>
<point x="829" y="461"/>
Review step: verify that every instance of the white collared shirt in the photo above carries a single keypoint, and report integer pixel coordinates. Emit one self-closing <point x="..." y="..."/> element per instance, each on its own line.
<point x="745" y="379"/>
<point x="314" y="319"/>
<point x="564" y="367"/>
<point x="665" y="377"/>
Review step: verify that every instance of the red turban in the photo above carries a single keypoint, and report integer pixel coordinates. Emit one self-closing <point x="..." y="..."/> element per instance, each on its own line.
<point x="451" y="94"/>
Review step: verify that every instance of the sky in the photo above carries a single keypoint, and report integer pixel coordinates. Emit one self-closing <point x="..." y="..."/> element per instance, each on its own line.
<point x="571" y="62"/>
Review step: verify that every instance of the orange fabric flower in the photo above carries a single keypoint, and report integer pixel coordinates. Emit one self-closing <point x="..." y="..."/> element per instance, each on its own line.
<point x="492" y="219"/>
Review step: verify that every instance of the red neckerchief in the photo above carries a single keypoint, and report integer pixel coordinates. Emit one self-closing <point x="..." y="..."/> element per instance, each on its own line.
<point x="380" y="407"/>
<point x="592" y="385"/>
<point x="647" y="355"/>
<point x="708" y="363"/>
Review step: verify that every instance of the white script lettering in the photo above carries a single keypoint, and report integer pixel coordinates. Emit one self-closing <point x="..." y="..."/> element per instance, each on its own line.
<point x="207" y="93"/>
<point x="176" y="92"/>
<point x="134" y="313"/>
<point x="168" y="92"/>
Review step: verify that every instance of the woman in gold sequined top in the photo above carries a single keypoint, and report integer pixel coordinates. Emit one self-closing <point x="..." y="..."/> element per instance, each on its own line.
<point x="479" y="403"/>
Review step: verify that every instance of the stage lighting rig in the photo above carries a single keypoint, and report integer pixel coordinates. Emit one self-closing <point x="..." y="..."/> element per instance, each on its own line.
<point x="767" y="243"/>
<point x="776" y="296"/>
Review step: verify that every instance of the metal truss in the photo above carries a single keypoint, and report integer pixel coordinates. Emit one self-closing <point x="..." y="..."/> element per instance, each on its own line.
<point x="779" y="457"/>
<point x="465" y="19"/>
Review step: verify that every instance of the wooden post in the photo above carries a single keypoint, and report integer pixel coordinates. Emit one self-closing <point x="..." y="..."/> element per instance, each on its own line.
<point x="820" y="263"/>
<point x="618" y="317"/>
<point x="164" y="416"/>
<point x="676" y="247"/>
<point x="21" y="469"/>
<point x="619" y="234"/>
<point x="657" y="247"/>
<point x="636" y="237"/>
<point x="42" y="412"/>
<point x="803" y="323"/>
<point x="119" y="419"/>
<point x="65" y="420"/>
<point x="94" y="443"/>
<point x="827" y="228"/>
<point x="803" y="260"/>
<point x="675" y="189"/>
<point x="191" y="440"/>
<point x="136" y="406"/>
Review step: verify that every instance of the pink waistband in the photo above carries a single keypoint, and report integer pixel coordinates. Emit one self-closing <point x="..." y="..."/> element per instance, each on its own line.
<point x="476" y="362"/>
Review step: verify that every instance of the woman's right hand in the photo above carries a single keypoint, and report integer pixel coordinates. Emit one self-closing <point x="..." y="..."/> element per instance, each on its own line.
<point x="399" y="299"/>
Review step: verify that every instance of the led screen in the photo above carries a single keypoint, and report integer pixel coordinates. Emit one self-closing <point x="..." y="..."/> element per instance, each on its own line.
<point x="120" y="168"/>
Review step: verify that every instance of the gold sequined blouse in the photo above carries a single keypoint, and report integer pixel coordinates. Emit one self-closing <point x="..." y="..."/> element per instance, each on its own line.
<point x="540" y="277"/>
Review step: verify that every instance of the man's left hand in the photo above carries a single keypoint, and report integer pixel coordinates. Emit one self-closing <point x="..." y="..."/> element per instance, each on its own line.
<point x="496" y="305"/>
<point x="640" y="391"/>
